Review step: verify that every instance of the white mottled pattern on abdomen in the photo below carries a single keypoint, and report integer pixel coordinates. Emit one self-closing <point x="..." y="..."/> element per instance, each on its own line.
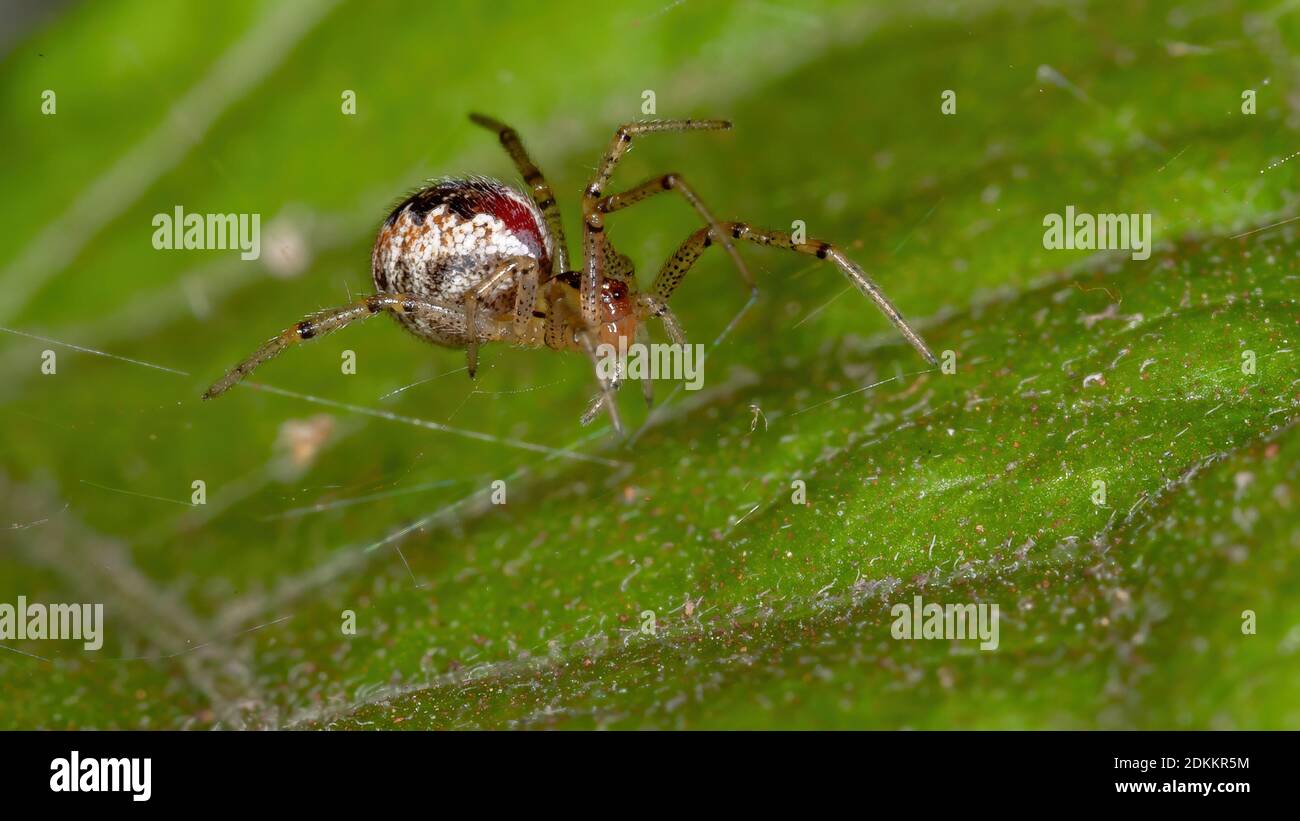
<point x="444" y="255"/>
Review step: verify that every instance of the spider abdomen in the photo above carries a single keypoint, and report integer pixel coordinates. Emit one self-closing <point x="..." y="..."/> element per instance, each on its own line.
<point x="448" y="238"/>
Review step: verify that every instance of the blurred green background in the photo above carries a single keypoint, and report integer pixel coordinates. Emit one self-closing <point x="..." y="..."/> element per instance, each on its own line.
<point x="329" y="492"/>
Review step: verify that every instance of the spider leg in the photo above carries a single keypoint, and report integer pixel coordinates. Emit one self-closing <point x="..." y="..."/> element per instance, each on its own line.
<point x="593" y="222"/>
<point x="674" y="182"/>
<point x="538" y="188"/>
<point x="451" y="317"/>
<point x="622" y="141"/>
<point x="525" y="268"/>
<point x="652" y="305"/>
<point x="670" y="276"/>
<point x="647" y="385"/>
<point x="562" y="321"/>
<point x="606" y="396"/>
<point x="593" y="270"/>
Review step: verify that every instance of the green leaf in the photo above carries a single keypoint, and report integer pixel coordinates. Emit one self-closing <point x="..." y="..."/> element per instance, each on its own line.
<point x="329" y="493"/>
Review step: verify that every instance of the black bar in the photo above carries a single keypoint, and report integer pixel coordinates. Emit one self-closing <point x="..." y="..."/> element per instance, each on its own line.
<point x="972" y="769"/>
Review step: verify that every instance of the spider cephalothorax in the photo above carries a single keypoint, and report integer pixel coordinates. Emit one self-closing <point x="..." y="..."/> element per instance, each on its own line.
<point x="466" y="261"/>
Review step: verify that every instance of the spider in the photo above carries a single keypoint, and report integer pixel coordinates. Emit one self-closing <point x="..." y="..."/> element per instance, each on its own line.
<point x="466" y="261"/>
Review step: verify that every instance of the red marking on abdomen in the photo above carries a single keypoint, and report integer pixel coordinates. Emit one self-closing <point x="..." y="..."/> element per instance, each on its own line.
<point x="519" y="218"/>
<point x="479" y="195"/>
